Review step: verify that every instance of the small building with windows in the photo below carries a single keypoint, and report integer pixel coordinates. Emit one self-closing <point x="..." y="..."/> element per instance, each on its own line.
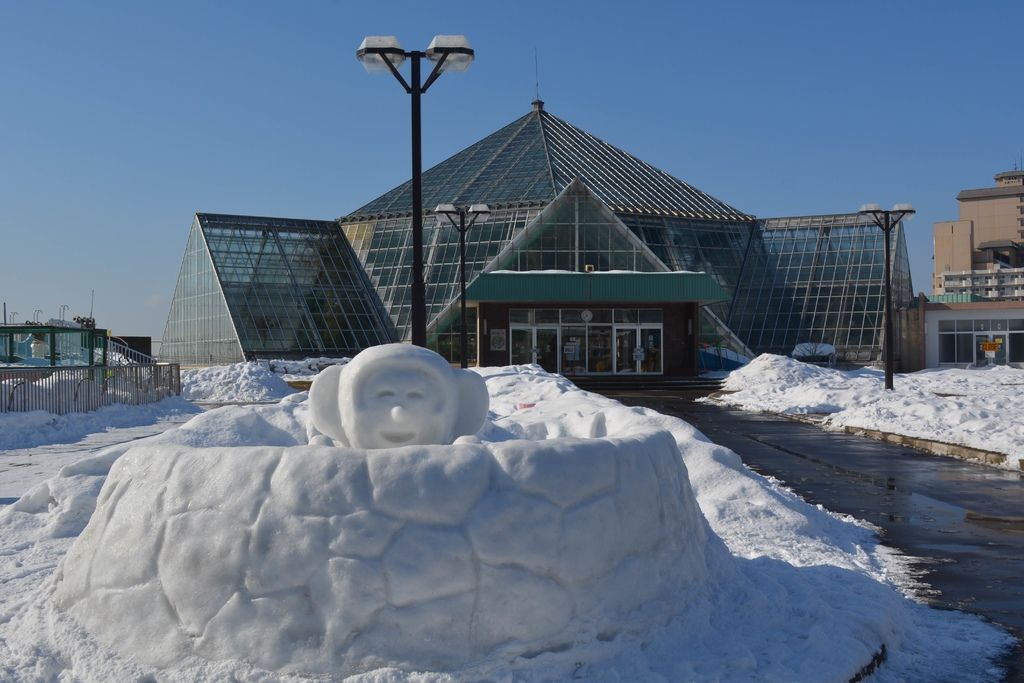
<point x="957" y="334"/>
<point x="605" y="324"/>
<point x="54" y="345"/>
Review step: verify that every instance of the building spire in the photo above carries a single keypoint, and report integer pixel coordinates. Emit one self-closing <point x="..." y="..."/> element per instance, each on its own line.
<point x="536" y="76"/>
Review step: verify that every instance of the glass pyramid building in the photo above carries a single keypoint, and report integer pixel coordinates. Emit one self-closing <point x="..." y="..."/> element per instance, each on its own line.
<point x="269" y="288"/>
<point x="561" y="199"/>
<point x="519" y="170"/>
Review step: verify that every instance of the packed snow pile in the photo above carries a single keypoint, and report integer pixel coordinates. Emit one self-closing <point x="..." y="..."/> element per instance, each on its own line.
<point x="979" y="408"/>
<point x="302" y="369"/>
<point x="417" y="556"/>
<point x="37" y="427"/>
<point x="421" y="557"/>
<point x="235" y="383"/>
<point x="813" y="350"/>
<point x="788" y="592"/>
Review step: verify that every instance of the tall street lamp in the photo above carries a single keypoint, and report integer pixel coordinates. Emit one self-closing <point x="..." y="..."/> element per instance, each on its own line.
<point x="887" y="219"/>
<point x="380" y="54"/>
<point x="475" y="212"/>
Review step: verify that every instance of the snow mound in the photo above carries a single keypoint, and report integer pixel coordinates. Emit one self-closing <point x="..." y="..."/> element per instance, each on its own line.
<point x="305" y="368"/>
<point x="316" y="559"/>
<point x="238" y="382"/>
<point x="775" y="373"/>
<point x="976" y="408"/>
<point x="812" y="350"/>
<point x="38" y="427"/>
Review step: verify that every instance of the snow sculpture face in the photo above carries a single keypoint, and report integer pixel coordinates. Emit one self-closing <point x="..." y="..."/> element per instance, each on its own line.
<point x="397" y="395"/>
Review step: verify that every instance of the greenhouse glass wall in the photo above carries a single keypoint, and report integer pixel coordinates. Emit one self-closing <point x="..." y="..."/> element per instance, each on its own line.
<point x="822" y="282"/>
<point x="254" y="287"/>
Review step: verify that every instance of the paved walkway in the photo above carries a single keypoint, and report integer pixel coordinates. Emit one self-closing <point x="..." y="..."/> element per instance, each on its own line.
<point x="965" y="521"/>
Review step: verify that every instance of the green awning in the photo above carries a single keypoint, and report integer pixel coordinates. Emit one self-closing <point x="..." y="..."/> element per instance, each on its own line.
<point x="616" y="287"/>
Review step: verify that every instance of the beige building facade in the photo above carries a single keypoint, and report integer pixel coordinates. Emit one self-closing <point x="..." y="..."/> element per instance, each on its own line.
<point x="982" y="252"/>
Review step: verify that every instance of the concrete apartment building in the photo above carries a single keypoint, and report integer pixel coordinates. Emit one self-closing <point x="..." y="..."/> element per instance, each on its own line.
<point x="981" y="255"/>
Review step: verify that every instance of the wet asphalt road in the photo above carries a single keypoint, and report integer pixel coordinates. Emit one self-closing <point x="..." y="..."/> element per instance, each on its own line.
<point x="965" y="521"/>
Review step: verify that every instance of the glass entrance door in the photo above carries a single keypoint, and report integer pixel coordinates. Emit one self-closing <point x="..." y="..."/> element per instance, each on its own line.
<point x="625" y="350"/>
<point x="650" y="342"/>
<point x="521" y="346"/>
<point x="599" y="349"/>
<point x="546" y="345"/>
<point x="535" y="345"/>
<point x="584" y="342"/>
<point x="574" y="350"/>
<point x="979" y="354"/>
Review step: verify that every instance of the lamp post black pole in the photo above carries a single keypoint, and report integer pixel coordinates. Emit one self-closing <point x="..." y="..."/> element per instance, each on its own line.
<point x="377" y="51"/>
<point x="419" y="292"/>
<point x="474" y="212"/>
<point x="463" y="340"/>
<point x="887" y="220"/>
<point x="887" y="229"/>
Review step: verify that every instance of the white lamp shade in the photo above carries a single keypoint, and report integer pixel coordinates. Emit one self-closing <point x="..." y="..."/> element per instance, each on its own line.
<point x="374" y="61"/>
<point x="906" y="208"/>
<point x="481" y="211"/>
<point x="868" y="208"/>
<point x="445" y="208"/>
<point x="460" y="55"/>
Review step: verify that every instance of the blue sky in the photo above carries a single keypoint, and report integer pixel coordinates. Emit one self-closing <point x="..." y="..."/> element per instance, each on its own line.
<point x="118" y="120"/>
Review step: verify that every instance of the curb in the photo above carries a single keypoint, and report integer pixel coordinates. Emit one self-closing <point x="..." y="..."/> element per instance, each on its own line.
<point x="926" y="445"/>
<point x="933" y="447"/>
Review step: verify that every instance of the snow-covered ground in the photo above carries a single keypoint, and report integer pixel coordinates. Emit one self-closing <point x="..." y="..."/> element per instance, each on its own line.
<point x="980" y="408"/>
<point x="19" y="431"/>
<point x="235" y="383"/>
<point x="794" y="592"/>
<point x="250" y="382"/>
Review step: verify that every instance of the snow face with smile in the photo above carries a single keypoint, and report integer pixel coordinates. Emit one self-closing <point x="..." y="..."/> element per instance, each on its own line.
<point x="400" y="405"/>
<point x="397" y="395"/>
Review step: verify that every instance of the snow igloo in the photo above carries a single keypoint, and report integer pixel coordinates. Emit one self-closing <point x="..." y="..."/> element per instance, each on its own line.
<point x="391" y="547"/>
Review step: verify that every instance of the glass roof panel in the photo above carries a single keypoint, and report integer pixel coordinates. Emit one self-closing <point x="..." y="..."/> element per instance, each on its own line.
<point x="508" y="166"/>
<point x="536" y="157"/>
<point x="293" y="287"/>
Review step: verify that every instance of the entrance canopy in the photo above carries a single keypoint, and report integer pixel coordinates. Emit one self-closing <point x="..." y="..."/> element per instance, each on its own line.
<point x="607" y="287"/>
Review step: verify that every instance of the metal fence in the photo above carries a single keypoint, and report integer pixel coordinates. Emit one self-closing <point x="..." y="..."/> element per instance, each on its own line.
<point x="81" y="389"/>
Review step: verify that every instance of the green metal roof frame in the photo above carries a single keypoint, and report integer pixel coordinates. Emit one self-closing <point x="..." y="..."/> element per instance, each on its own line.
<point x="605" y="287"/>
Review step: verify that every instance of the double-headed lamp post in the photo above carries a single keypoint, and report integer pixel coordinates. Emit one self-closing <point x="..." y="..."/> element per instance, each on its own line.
<point x="476" y="212"/>
<point x="887" y="219"/>
<point x="380" y="54"/>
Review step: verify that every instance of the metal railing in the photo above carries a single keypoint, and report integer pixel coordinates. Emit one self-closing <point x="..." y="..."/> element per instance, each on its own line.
<point x="122" y="354"/>
<point x="63" y="390"/>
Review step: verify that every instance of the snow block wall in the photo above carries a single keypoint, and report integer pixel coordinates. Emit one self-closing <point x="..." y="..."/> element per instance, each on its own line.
<point x="314" y="559"/>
